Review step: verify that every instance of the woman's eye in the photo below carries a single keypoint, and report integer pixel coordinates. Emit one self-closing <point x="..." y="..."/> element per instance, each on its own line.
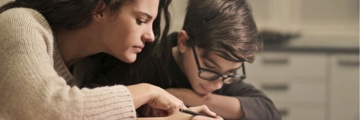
<point x="140" y="21"/>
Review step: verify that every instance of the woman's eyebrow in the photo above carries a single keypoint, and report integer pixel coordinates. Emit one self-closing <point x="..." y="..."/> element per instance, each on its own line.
<point x="144" y="14"/>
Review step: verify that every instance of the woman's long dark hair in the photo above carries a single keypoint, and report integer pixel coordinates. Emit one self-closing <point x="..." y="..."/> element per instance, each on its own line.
<point x="106" y="64"/>
<point x="61" y="14"/>
<point x="75" y="14"/>
<point x="70" y="14"/>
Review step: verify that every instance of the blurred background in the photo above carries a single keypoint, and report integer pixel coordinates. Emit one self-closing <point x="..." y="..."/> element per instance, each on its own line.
<point x="309" y="65"/>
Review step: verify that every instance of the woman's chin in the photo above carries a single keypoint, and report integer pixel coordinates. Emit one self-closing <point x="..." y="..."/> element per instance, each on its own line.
<point x="131" y="60"/>
<point x="128" y="59"/>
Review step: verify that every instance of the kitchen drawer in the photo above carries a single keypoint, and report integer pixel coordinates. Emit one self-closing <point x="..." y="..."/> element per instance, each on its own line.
<point x="264" y="78"/>
<point x="288" y="65"/>
<point x="303" y="113"/>
<point x="294" y="91"/>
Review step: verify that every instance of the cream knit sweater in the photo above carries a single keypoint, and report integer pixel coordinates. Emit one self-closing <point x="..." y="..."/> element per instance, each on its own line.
<point x="35" y="84"/>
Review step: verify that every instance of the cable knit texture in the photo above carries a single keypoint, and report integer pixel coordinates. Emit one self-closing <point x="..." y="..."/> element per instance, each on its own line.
<point x="35" y="83"/>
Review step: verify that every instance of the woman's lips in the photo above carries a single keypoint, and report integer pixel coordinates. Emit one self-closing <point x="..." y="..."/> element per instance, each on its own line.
<point x="138" y="49"/>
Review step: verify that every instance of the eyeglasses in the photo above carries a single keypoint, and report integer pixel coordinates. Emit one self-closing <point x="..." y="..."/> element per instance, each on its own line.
<point x="211" y="75"/>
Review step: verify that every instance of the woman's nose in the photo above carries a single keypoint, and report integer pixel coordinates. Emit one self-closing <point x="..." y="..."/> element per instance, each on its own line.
<point x="148" y="36"/>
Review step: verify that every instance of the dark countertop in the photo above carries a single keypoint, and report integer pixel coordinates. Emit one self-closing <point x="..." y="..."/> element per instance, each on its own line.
<point x="317" y="45"/>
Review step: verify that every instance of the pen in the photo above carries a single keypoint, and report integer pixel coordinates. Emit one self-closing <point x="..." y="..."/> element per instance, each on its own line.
<point x="193" y="113"/>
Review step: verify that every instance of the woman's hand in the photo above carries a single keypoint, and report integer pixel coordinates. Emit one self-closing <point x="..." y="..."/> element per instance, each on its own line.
<point x="203" y="110"/>
<point x="147" y="111"/>
<point x="155" y="97"/>
<point x="165" y="101"/>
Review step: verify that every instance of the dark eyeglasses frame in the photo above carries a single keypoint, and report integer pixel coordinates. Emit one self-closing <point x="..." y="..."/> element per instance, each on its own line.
<point x="234" y="77"/>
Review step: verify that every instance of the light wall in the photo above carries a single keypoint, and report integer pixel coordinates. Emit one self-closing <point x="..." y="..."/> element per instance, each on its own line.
<point x="310" y="17"/>
<point x="4" y="1"/>
<point x="177" y="11"/>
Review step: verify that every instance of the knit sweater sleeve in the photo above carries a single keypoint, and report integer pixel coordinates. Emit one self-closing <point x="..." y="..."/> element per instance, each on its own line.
<point x="31" y="87"/>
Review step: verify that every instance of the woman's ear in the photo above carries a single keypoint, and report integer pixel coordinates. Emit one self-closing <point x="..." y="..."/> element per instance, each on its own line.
<point x="99" y="11"/>
<point x="183" y="39"/>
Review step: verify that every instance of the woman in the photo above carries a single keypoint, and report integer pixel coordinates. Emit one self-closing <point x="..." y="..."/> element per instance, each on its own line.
<point x="42" y="40"/>
<point x="199" y="63"/>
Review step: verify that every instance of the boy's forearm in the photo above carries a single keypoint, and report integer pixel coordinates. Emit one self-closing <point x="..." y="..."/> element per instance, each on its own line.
<point x="225" y="106"/>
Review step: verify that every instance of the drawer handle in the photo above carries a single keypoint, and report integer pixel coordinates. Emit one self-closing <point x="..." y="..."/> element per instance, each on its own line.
<point x="275" y="87"/>
<point x="275" y="61"/>
<point x="349" y="63"/>
<point x="284" y="112"/>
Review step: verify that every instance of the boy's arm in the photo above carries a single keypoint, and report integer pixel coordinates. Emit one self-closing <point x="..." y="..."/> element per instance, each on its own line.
<point x="238" y="100"/>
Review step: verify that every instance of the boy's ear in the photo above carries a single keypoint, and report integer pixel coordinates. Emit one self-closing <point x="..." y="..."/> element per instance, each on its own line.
<point x="99" y="11"/>
<point x="183" y="39"/>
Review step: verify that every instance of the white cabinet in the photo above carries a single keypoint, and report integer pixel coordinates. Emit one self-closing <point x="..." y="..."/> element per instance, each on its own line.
<point x="308" y="86"/>
<point x="296" y="83"/>
<point x="344" y="87"/>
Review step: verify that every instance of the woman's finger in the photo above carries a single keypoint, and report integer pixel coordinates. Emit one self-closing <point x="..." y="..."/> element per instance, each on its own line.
<point x="203" y="109"/>
<point x="199" y="117"/>
<point x="167" y="102"/>
<point x="175" y="107"/>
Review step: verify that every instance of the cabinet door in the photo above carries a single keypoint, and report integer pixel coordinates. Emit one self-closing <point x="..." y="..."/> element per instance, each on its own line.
<point x="294" y="111"/>
<point x="296" y="82"/>
<point x="344" y="87"/>
<point x="305" y="114"/>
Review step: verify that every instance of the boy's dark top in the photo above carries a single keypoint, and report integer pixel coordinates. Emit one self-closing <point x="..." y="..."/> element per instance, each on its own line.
<point x="255" y="104"/>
